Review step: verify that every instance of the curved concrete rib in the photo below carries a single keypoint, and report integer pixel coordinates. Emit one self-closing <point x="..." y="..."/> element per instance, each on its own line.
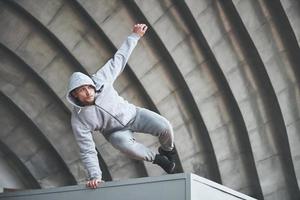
<point x="279" y="51"/>
<point x="291" y="9"/>
<point x="270" y="101"/>
<point x="25" y="179"/>
<point x="290" y="58"/>
<point x="33" y="97"/>
<point x="175" y="20"/>
<point x="52" y="82"/>
<point x="40" y="163"/>
<point x="228" y="48"/>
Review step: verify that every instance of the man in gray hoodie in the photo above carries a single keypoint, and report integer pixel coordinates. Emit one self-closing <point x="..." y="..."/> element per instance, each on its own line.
<point x="98" y="107"/>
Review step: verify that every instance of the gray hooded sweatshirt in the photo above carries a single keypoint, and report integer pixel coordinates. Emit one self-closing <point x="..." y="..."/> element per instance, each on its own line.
<point x="110" y="112"/>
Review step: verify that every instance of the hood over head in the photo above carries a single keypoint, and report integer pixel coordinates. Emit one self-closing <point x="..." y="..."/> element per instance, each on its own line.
<point x="76" y="80"/>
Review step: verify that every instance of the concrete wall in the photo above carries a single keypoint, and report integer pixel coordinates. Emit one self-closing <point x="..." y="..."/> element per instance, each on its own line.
<point x="225" y="73"/>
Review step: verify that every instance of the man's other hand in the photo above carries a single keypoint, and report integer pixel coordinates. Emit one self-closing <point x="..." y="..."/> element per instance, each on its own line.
<point x="140" y="29"/>
<point x="94" y="183"/>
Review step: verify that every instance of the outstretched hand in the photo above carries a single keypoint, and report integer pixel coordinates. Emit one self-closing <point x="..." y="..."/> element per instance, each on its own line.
<point x="140" y="29"/>
<point x="94" y="183"/>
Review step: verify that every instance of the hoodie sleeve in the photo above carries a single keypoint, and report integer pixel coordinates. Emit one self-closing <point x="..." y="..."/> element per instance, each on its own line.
<point x="88" y="151"/>
<point x="112" y="69"/>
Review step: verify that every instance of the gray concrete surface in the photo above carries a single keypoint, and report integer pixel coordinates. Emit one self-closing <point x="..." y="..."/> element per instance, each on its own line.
<point x="188" y="187"/>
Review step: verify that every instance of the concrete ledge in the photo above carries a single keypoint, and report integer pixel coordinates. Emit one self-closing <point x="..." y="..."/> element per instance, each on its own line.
<point x="174" y="187"/>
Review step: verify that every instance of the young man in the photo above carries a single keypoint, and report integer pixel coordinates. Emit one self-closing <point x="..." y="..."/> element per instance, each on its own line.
<point x="97" y="106"/>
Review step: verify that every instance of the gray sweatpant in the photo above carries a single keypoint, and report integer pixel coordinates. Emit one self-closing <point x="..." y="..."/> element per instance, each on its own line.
<point x="145" y="121"/>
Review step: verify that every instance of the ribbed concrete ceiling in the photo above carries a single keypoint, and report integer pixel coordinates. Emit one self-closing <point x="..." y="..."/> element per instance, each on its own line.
<point x="225" y="73"/>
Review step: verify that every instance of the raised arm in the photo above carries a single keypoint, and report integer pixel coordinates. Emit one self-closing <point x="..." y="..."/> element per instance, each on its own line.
<point x="112" y="69"/>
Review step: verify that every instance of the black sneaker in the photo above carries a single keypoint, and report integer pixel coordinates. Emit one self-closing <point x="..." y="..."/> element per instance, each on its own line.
<point x="164" y="163"/>
<point x="170" y="154"/>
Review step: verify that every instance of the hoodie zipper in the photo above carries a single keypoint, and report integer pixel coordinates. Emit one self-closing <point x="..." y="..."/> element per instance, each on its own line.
<point x="110" y="115"/>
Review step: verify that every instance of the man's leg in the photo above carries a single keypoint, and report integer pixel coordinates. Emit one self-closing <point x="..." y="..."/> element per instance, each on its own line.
<point x="125" y="142"/>
<point x="150" y="122"/>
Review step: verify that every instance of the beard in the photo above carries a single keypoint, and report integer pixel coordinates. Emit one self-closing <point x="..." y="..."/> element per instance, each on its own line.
<point x="89" y="100"/>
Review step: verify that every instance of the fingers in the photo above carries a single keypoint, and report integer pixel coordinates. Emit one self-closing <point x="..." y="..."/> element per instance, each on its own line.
<point x="144" y="27"/>
<point x="93" y="183"/>
<point x="140" y="29"/>
<point x="90" y="184"/>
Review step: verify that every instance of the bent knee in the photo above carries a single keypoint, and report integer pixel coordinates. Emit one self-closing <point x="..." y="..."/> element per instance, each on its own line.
<point x="167" y="127"/>
<point x="121" y="141"/>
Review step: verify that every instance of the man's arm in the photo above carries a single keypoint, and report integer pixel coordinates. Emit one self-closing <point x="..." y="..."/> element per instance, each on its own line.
<point x="112" y="69"/>
<point x="88" y="154"/>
